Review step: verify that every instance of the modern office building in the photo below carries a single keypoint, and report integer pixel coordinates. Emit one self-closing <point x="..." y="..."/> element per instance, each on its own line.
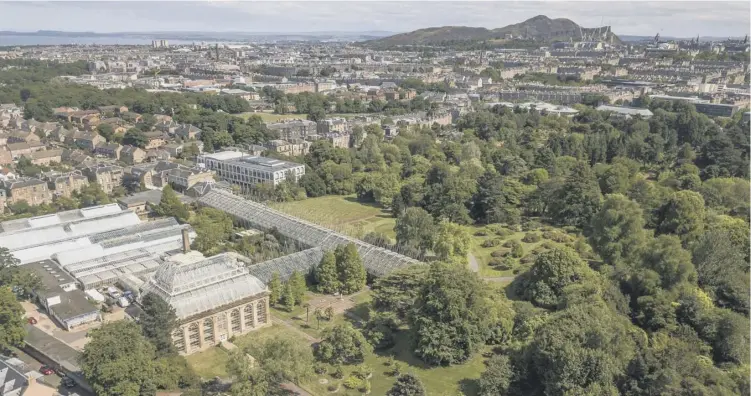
<point x="246" y="171"/>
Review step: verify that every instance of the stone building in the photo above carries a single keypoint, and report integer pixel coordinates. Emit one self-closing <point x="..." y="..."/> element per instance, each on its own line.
<point x="214" y="298"/>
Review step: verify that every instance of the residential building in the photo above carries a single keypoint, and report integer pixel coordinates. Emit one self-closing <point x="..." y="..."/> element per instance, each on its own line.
<point x="155" y="139"/>
<point x="45" y="157"/>
<point x="20" y="136"/>
<point x="12" y="381"/>
<point x="109" y="150"/>
<point x="183" y="178"/>
<point x="187" y="131"/>
<point x="87" y="140"/>
<point x="332" y="125"/>
<point x="113" y="110"/>
<point x="107" y="176"/>
<point x="132" y="155"/>
<point x="66" y="184"/>
<point x="6" y="158"/>
<point x="293" y="129"/>
<point x="246" y="171"/>
<point x="33" y="191"/>
<point x="19" y="149"/>
<point x="292" y="147"/>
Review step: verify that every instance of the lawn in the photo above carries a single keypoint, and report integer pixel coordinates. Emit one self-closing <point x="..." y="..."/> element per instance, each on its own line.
<point x="343" y="214"/>
<point x="209" y="363"/>
<point x="483" y="254"/>
<point x="270" y="117"/>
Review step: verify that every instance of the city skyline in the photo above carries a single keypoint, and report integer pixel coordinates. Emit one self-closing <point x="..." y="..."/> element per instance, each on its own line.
<point x="678" y="19"/>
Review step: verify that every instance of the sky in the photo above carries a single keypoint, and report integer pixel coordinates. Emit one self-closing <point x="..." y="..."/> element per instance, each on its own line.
<point x="672" y="18"/>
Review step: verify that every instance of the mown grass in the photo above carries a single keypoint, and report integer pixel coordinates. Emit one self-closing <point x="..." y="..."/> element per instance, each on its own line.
<point x="342" y="213"/>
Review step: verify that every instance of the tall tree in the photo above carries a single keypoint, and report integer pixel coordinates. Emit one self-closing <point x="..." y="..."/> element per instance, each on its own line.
<point x="342" y="344"/>
<point x="452" y="242"/>
<point x="297" y="284"/>
<point x="415" y="228"/>
<point x="275" y="289"/>
<point x="12" y="332"/>
<point x="617" y="230"/>
<point x="170" y="205"/>
<point x="578" y="199"/>
<point x="453" y="315"/>
<point x="119" y="360"/>
<point x="350" y="269"/>
<point x="158" y="321"/>
<point x="327" y="275"/>
<point x="551" y="273"/>
<point x="683" y="215"/>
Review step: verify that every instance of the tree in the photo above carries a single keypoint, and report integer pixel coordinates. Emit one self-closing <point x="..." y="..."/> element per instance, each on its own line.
<point x="92" y="195"/>
<point x="350" y="269"/>
<point x="407" y="385"/>
<point x="277" y="360"/>
<point x="135" y="137"/>
<point x="396" y="292"/>
<point x="119" y="360"/>
<point x="158" y="321"/>
<point x="453" y="242"/>
<point x="170" y="205"/>
<point x="578" y="199"/>
<point x="288" y="297"/>
<point x="415" y="228"/>
<point x="297" y="284"/>
<point x="275" y="289"/>
<point x="454" y="315"/>
<point x="342" y="344"/>
<point x="551" y="273"/>
<point x="106" y="131"/>
<point x="12" y="332"/>
<point x="683" y="215"/>
<point x="327" y="275"/>
<point x="617" y="230"/>
<point x="721" y="270"/>
<point x="497" y="200"/>
<point x="498" y="377"/>
<point x="665" y="256"/>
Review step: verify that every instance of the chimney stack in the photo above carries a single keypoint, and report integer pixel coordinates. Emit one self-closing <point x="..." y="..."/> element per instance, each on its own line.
<point x="186" y="240"/>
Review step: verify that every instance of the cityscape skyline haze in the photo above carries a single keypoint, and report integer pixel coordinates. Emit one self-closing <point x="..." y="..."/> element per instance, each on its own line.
<point x="676" y="19"/>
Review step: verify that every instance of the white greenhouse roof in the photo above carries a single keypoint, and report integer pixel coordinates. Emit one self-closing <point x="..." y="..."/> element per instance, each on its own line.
<point x="58" y="218"/>
<point x="202" y="286"/>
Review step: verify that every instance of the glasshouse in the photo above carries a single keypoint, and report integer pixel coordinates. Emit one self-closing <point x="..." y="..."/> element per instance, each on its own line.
<point x="378" y="261"/>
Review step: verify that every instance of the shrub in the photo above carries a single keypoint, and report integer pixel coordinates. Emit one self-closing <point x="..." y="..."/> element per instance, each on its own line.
<point x="528" y="259"/>
<point x="389" y="361"/>
<point x="531" y="237"/>
<point x="397" y="370"/>
<point x="504" y="232"/>
<point x="338" y="372"/>
<point x="353" y="382"/>
<point x="548" y="245"/>
<point x="499" y="253"/>
<point x="333" y="388"/>
<point x="556" y="236"/>
<point x="320" y="369"/>
<point x="531" y="225"/>
<point x="516" y="249"/>
<point x="506" y="264"/>
<point x="491" y="243"/>
<point x="481" y="233"/>
<point x="509" y="243"/>
<point x="495" y="261"/>
<point x="362" y="372"/>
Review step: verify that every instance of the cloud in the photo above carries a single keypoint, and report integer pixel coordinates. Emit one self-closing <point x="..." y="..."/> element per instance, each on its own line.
<point x="684" y="18"/>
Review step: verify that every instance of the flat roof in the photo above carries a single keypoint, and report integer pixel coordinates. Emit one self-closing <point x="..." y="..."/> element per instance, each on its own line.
<point x="224" y="155"/>
<point x="72" y="303"/>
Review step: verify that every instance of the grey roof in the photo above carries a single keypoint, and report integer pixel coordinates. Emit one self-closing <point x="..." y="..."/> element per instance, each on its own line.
<point x="197" y="287"/>
<point x="302" y="262"/>
<point x="11" y="380"/>
<point x="58" y="351"/>
<point x="378" y="261"/>
<point x="625" y="110"/>
<point x="73" y="303"/>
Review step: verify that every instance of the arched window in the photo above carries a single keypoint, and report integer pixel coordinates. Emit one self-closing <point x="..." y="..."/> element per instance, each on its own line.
<point x="194" y="337"/>
<point x="248" y="312"/>
<point x="235" y="320"/>
<point x="178" y="340"/>
<point x="221" y="322"/>
<point x="261" y="312"/>
<point x="208" y="331"/>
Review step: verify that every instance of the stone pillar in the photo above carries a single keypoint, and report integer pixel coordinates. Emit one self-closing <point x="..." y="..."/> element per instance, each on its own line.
<point x="255" y="314"/>
<point x="186" y="339"/>
<point x="200" y="334"/>
<point x="242" y="318"/>
<point x="268" y="311"/>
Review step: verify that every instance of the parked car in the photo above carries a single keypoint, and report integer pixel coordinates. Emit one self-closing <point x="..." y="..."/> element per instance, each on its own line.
<point x="46" y="370"/>
<point x="68" y="382"/>
<point x="32" y="320"/>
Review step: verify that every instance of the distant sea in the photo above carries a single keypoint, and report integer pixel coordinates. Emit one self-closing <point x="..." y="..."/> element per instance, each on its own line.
<point x="10" y="40"/>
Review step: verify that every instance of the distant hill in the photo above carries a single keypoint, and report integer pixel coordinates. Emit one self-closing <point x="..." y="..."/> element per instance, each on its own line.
<point x="539" y="28"/>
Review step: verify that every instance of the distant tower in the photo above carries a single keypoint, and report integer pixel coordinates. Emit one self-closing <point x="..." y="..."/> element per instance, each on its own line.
<point x="217" y="51"/>
<point x="657" y="38"/>
<point x="745" y="40"/>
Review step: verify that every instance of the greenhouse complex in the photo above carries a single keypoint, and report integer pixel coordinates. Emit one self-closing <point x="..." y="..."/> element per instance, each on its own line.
<point x="80" y="254"/>
<point x="378" y="261"/>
